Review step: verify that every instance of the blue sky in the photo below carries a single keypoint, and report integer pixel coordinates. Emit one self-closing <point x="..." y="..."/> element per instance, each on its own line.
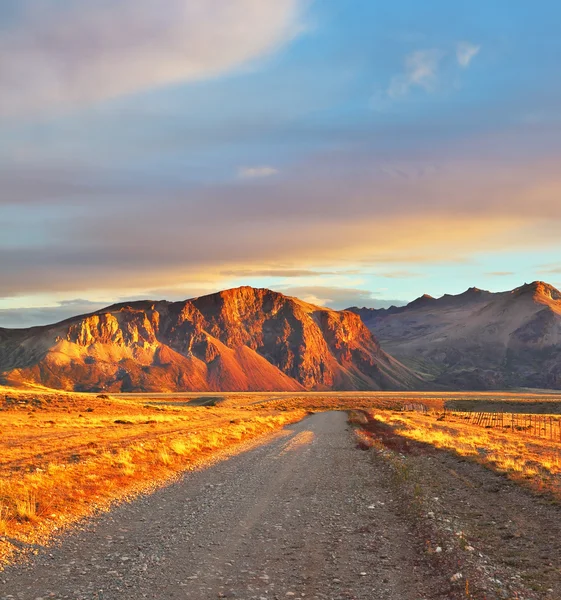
<point x="357" y="152"/>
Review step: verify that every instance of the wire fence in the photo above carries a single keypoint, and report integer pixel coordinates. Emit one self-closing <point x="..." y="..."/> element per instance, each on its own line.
<point x="416" y="406"/>
<point x="536" y="425"/>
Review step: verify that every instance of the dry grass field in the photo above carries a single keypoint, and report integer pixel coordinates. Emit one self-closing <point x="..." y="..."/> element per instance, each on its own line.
<point x="485" y="502"/>
<point x="64" y="456"/>
<point x="512" y="402"/>
<point x="532" y="461"/>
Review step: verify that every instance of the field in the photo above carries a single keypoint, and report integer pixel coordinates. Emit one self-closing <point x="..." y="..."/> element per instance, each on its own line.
<point x="486" y="502"/>
<point x="67" y="456"/>
<point x="530" y="460"/>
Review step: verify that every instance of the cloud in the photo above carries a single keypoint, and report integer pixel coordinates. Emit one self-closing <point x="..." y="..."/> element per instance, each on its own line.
<point x="466" y="52"/>
<point x="399" y="274"/>
<point x="335" y="297"/>
<point x="500" y="273"/>
<point x="256" y="172"/>
<point x="338" y="297"/>
<point x="329" y="213"/>
<point x="46" y="315"/>
<point x="421" y="69"/>
<point x="32" y="316"/>
<point x="553" y="270"/>
<point x="284" y="273"/>
<point x="61" y="54"/>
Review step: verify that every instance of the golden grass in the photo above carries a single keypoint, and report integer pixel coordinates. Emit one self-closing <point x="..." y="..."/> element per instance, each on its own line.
<point x="63" y="455"/>
<point x="533" y="461"/>
<point x="58" y="467"/>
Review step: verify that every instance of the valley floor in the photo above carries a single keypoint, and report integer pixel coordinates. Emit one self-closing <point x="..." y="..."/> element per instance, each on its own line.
<point x="308" y="514"/>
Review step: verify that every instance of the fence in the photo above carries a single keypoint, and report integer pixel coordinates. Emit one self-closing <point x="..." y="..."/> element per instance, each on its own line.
<point x="416" y="406"/>
<point x="543" y="426"/>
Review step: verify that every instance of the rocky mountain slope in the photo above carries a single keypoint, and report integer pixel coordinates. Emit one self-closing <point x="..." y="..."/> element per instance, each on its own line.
<point x="478" y="339"/>
<point x="236" y="340"/>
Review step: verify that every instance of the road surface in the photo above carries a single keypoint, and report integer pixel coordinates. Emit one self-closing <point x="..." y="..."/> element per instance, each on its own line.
<point x="301" y="516"/>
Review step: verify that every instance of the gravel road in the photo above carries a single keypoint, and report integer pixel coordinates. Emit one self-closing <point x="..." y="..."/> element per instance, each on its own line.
<point x="302" y="515"/>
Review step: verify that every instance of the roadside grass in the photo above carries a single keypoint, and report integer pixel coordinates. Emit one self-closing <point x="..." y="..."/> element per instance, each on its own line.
<point x="57" y="468"/>
<point x="64" y="456"/>
<point x="534" y="462"/>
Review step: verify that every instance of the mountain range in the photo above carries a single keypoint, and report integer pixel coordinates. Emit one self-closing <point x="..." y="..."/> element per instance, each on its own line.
<point x="478" y="339"/>
<point x="248" y="339"/>
<point x="242" y="339"/>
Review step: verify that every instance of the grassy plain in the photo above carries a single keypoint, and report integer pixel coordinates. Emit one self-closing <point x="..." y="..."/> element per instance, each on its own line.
<point x="64" y="456"/>
<point x="532" y="461"/>
<point x="482" y="523"/>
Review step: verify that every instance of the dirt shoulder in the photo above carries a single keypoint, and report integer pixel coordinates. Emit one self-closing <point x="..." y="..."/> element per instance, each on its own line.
<point x="504" y="540"/>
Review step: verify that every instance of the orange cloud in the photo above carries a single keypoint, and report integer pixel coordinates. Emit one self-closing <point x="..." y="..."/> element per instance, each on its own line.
<point x="314" y="218"/>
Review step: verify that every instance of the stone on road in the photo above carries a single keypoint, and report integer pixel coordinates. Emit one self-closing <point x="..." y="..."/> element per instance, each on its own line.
<point x="301" y="516"/>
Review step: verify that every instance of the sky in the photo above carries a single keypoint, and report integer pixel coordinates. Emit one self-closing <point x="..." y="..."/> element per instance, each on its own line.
<point x="349" y="153"/>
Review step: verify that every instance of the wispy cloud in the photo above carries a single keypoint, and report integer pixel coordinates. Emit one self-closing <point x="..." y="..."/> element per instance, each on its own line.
<point x="500" y="273"/>
<point x="399" y="274"/>
<point x="283" y="273"/>
<point x="256" y="172"/>
<point x="552" y="270"/>
<point x="466" y="52"/>
<point x="421" y="70"/>
<point x="61" y="54"/>
<point x="45" y="315"/>
<point x="340" y="297"/>
<point x="335" y="297"/>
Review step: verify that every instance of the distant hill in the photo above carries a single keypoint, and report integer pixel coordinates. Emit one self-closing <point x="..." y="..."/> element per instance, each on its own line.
<point x="236" y="340"/>
<point x="478" y="339"/>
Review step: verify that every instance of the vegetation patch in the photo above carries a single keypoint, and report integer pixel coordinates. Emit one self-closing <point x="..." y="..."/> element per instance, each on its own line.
<point x="532" y="461"/>
<point x="62" y="464"/>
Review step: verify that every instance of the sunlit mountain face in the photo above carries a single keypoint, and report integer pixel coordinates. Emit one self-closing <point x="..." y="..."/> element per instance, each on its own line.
<point x="243" y="339"/>
<point x="342" y="153"/>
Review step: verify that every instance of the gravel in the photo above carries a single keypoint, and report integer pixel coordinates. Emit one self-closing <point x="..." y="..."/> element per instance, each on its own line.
<point x="304" y="515"/>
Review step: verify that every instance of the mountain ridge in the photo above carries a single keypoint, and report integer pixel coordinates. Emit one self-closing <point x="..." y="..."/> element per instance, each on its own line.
<point x="242" y="339"/>
<point x="477" y="339"/>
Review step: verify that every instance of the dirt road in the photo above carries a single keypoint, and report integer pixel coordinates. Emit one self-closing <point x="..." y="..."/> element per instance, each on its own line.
<point x="301" y="516"/>
<point x="306" y="514"/>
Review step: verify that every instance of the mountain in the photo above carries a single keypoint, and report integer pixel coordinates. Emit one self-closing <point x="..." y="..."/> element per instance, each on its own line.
<point x="478" y="339"/>
<point x="236" y="340"/>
